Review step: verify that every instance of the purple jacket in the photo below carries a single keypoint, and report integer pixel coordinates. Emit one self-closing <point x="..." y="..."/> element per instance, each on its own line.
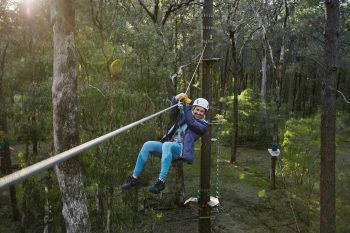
<point x="195" y="129"/>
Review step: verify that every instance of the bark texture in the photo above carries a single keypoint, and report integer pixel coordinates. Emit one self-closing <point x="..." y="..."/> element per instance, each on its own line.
<point x="234" y="136"/>
<point x="328" y="118"/>
<point x="204" y="223"/>
<point x="65" y="118"/>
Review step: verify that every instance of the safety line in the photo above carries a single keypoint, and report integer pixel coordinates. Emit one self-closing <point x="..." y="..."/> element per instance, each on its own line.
<point x="54" y="160"/>
<point x="195" y="70"/>
<point x="290" y="200"/>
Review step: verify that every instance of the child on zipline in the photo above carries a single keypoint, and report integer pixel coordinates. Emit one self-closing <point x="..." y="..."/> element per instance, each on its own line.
<point x="177" y="143"/>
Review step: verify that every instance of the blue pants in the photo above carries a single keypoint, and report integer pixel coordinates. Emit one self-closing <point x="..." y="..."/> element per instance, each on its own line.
<point x="166" y="151"/>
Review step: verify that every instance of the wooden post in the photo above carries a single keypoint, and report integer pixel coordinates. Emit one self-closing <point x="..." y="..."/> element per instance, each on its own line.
<point x="273" y="172"/>
<point x="274" y="152"/>
<point x="204" y="208"/>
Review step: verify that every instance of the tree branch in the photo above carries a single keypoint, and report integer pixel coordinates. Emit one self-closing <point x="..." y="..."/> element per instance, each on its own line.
<point x="151" y="15"/>
<point x="174" y="7"/>
<point x="262" y="25"/>
<point x="248" y="39"/>
<point x="2" y="62"/>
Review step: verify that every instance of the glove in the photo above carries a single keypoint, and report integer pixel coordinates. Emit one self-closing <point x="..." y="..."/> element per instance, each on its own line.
<point x="186" y="100"/>
<point x="180" y="96"/>
<point x="180" y="105"/>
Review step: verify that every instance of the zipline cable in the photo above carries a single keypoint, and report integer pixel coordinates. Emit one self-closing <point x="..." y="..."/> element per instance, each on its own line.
<point x="54" y="160"/>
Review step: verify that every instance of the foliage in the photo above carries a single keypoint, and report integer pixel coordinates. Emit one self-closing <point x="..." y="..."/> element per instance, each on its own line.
<point x="301" y="142"/>
<point x="342" y="127"/>
<point x="301" y="161"/>
<point x="248" y="115"/>
<point x="125" y="60"/>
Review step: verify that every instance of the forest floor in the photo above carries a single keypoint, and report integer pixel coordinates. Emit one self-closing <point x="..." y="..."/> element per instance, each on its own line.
<point x="247" y="203"/>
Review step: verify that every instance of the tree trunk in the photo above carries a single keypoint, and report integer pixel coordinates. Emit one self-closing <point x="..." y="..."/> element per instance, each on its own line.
<point x="298" y="93"/>
<point x="280" y="74"/>
<point x="328" y="118"/>
<point x="5" y="156"/>
<point x="263" y="89"/>
<point x="204" y="223"/>
<point x="224" y="79"/>
<point x="179" y="184"/>
<point x="304" y="90"/>
<point x="65" y="117"/>
<point x="34" y="135"/>
<point x="278" y="84"/>
<point x="179" y="177"/>
<point x="234" y="136"/>
<point x="273" y="173"/>
<point x="290" y="97"/>
<point x="263" y="81"/>
<point x="313" y="96"/>
<point x="263" y="94"/>
<point x="47" y="214"/>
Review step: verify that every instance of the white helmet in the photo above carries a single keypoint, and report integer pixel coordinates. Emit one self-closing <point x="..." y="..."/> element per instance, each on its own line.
<point x="201" y="102"/>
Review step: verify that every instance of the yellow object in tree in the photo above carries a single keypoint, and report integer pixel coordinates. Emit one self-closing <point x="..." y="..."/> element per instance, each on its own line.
<point x="116" y="66"/>
<point x="187" y="100"/>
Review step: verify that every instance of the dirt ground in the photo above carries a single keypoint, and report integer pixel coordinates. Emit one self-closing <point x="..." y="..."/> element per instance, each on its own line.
<point x="246" y="203"/>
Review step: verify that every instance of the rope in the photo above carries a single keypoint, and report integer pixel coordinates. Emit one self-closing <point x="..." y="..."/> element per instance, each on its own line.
<point x="54" y="160"/>
<point x="289" y="199"/>
<point x="345" y="99"/>
<point x="195" y="70"/>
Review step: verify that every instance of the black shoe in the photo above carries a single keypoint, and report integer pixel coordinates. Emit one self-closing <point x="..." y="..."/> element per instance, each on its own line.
<point x="157" y="187"/>
<point x="131" y="182"/>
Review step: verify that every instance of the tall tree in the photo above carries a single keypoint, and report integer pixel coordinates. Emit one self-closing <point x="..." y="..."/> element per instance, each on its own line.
<point x="204" y="208"/>
<point x="234" y="136"/>
<point x="266" y="49"/>
<point x="280" y="73"/>
<point x="5" y="156"/>
<point x="278" y="81"/>
<point x="65" y="117"/>
<point x="231" y="32"/>
<point x="328" y="118"/>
